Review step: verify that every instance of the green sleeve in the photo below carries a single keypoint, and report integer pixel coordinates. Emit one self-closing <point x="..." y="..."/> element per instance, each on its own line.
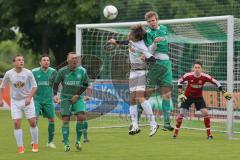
<point x="59" y="77"/>
<point x="52" y="77"/>
<point x="34" y="73"/>
<point x="166" y="31"/>
<point x="148" y="39"/>
<point x="86" y="78"/>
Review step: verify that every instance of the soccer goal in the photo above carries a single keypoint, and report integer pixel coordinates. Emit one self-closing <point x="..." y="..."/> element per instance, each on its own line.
<point x="215" y="41"/>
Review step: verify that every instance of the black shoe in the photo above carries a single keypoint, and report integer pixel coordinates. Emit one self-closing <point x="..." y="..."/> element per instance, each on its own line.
<point x="78" y="146"/>
<point x="86" y="141"/>
<point x="210" y="137"/>
<point x="134" y="131"/>
<point x="167" y="128"/>
<point x="174" y="137"/>
<point x="138" y="131"/>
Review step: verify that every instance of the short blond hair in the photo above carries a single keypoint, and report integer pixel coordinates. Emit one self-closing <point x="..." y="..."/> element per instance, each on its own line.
<point x="150" y="14"/>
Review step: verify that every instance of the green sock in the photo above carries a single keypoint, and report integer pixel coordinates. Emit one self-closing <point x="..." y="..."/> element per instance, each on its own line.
<point x="85" y="131"/>
<point x="65" y="133"/>
<point x="79" y="130"/>
<point x="166" y="112"/>
<point x="51" y="129"/>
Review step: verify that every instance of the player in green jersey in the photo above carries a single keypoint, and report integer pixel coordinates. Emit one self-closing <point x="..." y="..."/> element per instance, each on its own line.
<point x="43" y="98"/>
<point x="160" y="73"/>
<point x="74" y="81"/>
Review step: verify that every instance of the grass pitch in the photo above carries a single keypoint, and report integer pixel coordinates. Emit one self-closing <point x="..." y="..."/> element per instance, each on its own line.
<point x="116" y="144"/>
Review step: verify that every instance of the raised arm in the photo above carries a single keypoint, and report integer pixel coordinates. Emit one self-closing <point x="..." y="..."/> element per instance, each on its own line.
<point x="116" y="42"/>
<point x="210" y="79"/>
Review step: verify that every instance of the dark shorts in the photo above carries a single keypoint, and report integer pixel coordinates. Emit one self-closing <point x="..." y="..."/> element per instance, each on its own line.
<point x="198" y="102"/>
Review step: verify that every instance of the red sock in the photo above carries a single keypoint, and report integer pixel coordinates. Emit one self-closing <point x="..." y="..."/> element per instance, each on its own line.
<point x="178" y="125"/>
<point x="207" y="125"/>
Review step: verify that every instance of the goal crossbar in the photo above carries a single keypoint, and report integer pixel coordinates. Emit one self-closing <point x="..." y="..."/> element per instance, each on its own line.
<point x="172" y="21"/>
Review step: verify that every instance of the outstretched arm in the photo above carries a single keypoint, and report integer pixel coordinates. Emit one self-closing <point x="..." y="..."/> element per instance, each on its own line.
<point x="115" y="42"/>
<point x="226" y="94"/>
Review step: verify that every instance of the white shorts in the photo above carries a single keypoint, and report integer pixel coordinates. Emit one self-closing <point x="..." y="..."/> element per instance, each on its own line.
<point x="18" y="106"/>
<point x="137" y="80"/>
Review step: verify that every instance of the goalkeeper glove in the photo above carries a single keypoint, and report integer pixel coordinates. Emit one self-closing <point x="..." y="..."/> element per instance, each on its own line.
<point x="227" y="95"/>
<point x="181" y="98"/>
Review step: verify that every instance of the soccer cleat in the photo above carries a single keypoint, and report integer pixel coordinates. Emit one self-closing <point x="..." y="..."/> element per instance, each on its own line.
<point x="66" y="148"/>
<point x="167" y="128"/>
<point x="51" y="145"/>
<point x="138" y="130"/>
<point x="134" y="131"/>
<point x="86" y="141"/>
<point x="210" y="137"/>
<point x="35" y="147"/>
<point x="153" y="130"/>
<point x="130" y="127"/>
<point x="78" y="146"/>
<point x="21" y="150"/>
<point x="174" y="136"/>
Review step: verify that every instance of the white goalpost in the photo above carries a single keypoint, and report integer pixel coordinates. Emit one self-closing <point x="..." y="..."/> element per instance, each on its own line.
<point x="215" y="41"/>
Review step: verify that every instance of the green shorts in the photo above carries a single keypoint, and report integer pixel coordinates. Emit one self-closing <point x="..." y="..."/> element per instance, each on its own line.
<point x="67" y="109"/>
<point x="156" y="103"/>
<point x="160" y="74"/>
<point x="45" y="109"/>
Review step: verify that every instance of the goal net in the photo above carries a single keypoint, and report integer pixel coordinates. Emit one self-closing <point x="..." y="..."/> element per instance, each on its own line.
<point x="215" y="41"/>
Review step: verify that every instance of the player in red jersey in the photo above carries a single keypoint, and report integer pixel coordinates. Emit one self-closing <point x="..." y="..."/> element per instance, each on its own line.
<point x="193" y="94"/>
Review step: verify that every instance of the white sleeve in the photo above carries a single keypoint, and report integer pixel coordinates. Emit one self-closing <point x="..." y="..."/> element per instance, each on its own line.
<point x="32" y="80"/>
<point x="5" y="80"/>
<point x="141" y="48"/>
<point x="147" y="54"/>
<point x="152" y="47"/>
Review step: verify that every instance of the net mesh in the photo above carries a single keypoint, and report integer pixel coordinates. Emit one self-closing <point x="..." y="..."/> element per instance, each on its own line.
<point x="109" y="67"/>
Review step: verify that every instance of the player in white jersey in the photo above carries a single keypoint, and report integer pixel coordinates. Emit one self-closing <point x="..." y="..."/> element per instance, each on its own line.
<point x="22" y="88"/>
<point x="137" y="79"/>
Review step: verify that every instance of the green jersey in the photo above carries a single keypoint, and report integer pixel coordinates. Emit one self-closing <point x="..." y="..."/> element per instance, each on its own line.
<point x="162" y="46"/>
<point x="44" y="81"/>
<point x="71" y="81"/>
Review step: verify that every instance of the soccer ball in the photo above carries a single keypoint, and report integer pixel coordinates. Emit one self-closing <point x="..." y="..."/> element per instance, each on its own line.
<point x="110" y="12"/>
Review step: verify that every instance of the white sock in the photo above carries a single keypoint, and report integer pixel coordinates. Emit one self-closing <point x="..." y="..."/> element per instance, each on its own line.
<point x="34" y="134"/>
<point x="149" y="113"/>
<point x="134" y="115"/>
<point x="18" y="135"/>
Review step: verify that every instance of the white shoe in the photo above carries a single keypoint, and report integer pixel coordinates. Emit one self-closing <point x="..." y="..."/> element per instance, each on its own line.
<point x="51" y="145"/>
<point x="134" y="131"/>
<point x="153" y="130"/>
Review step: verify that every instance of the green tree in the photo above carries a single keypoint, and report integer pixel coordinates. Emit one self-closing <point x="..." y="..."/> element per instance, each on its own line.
<point x="47" y="24"/>
<point x="8" y="49"/>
